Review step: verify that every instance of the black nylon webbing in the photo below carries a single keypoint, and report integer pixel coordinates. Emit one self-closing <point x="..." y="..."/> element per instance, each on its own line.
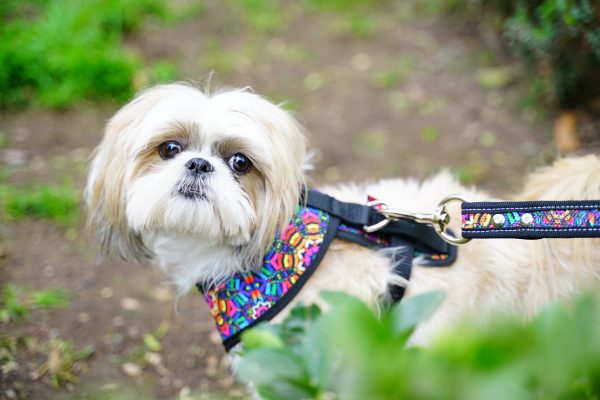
<point x="423" y="237"/>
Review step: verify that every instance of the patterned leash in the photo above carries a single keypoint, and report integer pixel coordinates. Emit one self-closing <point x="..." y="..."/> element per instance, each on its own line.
<point x="508" y="219"/>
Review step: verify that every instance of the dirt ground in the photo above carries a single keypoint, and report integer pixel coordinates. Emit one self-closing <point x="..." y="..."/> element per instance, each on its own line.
<point x="429" y="112"/>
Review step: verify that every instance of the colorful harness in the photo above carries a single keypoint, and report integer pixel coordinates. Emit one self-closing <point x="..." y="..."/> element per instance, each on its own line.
<point x="248" y="298"/>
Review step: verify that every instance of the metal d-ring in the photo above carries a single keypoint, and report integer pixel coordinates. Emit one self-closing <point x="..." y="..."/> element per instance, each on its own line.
<point x="440" y="227"/>
<point x="381" y="224"/>
<point x="439" y="218"/>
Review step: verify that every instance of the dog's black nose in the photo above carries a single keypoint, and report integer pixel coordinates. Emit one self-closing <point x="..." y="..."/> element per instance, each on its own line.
<point x="199" y="166"/>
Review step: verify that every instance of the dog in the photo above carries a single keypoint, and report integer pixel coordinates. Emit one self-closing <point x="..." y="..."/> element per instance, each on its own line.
<point x="202" y="184"/>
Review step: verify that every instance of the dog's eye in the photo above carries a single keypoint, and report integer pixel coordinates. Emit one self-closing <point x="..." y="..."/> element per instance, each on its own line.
<point x="240" y="163"/>
<point x="169" y="149"/>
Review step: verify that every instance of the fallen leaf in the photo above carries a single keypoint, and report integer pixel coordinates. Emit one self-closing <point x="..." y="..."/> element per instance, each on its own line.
<point x="495" y="77"/>
<point x="566" y="139"/>
<point x="131" y="369"/>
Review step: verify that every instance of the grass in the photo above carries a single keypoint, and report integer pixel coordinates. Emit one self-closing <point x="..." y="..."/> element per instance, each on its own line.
<point x="8" y="349"/>
<point x="351" y="18"/>
<point x="216" y="58"/>
<point x="430" y="134"/>
<point x="395" y="75"/>
<point x="3" y="140"/>
<point x="57" y="203"/>
<point x="474" y="171"/>
<point x="60" y="52"/>
<point x="263" y="16"/>
<point x="372" y="141"/>
<point x="61" y="359"/>
<point x="347" y="5"/>
<point x="61" y="363"/>
<point x="355" y="25"/>
<point x="16" y="305"/>
<point x="121" y="390"/>
<point x="142" y="354"/>
<point x="12" y="307"/>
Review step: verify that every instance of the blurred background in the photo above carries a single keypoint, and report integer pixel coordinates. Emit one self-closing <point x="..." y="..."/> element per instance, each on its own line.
<point x="488" y="89"/>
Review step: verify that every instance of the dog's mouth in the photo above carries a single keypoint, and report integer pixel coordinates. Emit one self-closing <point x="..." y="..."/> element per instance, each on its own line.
<point x="192" y="189"/>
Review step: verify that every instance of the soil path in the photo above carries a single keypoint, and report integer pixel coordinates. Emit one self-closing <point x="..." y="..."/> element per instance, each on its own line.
<point x="402" y="101"/>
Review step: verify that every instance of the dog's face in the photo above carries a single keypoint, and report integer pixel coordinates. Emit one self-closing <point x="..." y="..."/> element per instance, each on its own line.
<point x="225" y="169"/>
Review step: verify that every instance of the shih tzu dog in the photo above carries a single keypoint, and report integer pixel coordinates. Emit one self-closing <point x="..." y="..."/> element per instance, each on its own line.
<point x="205" y="184"/>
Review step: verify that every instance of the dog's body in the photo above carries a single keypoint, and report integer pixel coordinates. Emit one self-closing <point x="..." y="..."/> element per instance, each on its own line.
<point x="490" y="276"/>
<point x="203" y="183"/>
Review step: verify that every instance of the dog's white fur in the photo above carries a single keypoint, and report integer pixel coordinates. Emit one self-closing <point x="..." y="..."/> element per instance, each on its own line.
<point x="133" y="202"/>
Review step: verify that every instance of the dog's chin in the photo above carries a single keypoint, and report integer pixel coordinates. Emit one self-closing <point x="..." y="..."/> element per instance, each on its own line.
<point x="194" y="190"/>
<point x="191" y="194"/>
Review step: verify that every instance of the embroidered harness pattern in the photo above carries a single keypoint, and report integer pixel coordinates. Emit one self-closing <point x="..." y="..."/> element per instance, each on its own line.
<point x="555" y="218"/>
<point x="375" y="239"/>
<point x="241" y="300"/>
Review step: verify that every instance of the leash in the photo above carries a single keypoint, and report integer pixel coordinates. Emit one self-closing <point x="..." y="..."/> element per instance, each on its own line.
<point x="531" y="219"/>
<point x="507" y="219"/>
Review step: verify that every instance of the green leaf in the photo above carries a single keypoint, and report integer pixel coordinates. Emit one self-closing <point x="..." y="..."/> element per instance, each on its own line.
<point x="294" y="327"/>
<point x="495" y="77"/>
<point x="348" y="353"/>
<point x="151" y="342"/>
<point x="84" y="353"/>
<point x="269" y="365"/>
<point x="11" y="306"/>
<point x="342" y="300"/>
<point x="414" y="310"/>
<point x="284" y="391"/>
<point x="53" y="298"/>
<point x="256" y="338"/>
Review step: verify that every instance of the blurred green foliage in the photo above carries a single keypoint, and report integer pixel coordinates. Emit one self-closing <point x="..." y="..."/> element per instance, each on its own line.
<point x="264" y="16"/>
<point x="58" y="203"/>
<point x="62" y="51"/>
<point x="12" y="307"/>
<point x="52" y="298"/>
<point x="62" y="359"/>
<point x="351" y="17"/>
<point x="350" y="353"/>
<point x="558" y="39"/>
<point x="345" y="5"/>
<point x="16" y="304"/>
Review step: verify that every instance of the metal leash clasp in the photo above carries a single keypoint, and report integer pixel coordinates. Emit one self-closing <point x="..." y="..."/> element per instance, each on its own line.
<point x="439" y="219"/>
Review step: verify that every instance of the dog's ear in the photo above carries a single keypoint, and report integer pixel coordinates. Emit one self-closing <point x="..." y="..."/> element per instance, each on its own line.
<point x="283" y="182"/>
<point x="105" y="193"/>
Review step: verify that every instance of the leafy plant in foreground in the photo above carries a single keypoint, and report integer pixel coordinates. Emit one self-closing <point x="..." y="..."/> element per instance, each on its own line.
<point x="350" y="353"/>
<point x="311" y="354"/>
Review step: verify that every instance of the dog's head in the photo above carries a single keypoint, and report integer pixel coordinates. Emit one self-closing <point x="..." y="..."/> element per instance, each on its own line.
<point x="223" y="168"/>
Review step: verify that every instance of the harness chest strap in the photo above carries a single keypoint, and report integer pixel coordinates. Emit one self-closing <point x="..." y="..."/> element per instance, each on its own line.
<point x="251" y="297"/>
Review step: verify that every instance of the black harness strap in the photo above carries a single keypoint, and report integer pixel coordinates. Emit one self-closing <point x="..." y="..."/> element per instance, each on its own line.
<point x="405" y="237"/>
<point x="358" y="215"/>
